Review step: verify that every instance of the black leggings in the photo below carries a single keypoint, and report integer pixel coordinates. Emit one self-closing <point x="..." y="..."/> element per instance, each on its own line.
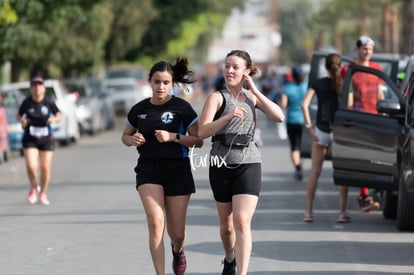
<point x="294" y="132"/>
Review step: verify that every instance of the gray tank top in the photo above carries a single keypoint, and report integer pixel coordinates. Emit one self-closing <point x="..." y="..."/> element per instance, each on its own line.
<point x="236" y="154"/>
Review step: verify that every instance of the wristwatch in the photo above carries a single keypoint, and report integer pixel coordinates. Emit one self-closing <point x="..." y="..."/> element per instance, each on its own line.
<point x="177" y="138"/>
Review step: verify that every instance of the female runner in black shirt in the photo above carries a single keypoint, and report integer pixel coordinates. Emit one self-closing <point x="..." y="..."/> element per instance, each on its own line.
<point x="158" y="128"/>
<point x="36" y="114"/>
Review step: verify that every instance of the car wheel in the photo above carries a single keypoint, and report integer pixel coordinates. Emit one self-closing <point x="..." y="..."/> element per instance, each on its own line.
<point x="405" y="211"/>
<point x="389" y="205"/>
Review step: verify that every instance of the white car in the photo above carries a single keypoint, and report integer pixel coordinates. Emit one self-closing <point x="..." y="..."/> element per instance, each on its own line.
<point x="67" y="130"/>
<point x="95" y="112"/>
<point x="125" y="93"/>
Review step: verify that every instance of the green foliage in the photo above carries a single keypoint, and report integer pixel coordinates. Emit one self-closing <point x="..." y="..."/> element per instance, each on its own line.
<point x="296" y="30"/>
<point x="350" y="19"/>
<point x="7" y="14"/>
<point x="49" y="33"/>
<point x="181" y="27"/>
<point x="131" y="21"/>
<point x="72" y="37"/>
<point x="187" y="40"/>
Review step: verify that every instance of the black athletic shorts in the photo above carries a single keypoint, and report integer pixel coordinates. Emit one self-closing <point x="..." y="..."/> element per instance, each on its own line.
<point x="294" y="132"/>
<point x="173" y="174"/>
<point x="227" y="182"/>
<point x="42" y="144"/>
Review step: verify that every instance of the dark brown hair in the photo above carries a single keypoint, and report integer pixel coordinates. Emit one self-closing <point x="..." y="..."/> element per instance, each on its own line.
<point x="246" y="57"/>
<point x="179" y="71"/>
<point x="333" y="66"/>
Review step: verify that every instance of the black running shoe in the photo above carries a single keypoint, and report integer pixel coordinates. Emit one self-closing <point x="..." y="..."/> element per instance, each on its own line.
<point x="229" y="267"/>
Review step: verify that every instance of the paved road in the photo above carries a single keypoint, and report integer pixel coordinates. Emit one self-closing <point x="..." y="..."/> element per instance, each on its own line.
<point x="96" y="225"/>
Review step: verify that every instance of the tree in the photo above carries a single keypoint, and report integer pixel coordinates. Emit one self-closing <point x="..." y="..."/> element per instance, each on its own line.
<point x="50" y="34"/>
<point x="7" y="14"/>
<point x="296" y="30"/>
<point x="344" y="21"/>
<point x="131" y="20"/>
<point x="181" y="27"/>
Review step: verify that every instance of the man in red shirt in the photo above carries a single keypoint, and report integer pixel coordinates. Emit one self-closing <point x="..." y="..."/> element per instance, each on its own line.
<point x="364" y="97"/>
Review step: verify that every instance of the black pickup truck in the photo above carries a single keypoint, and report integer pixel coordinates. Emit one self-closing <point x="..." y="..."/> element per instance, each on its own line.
<point x="377" y="150"/>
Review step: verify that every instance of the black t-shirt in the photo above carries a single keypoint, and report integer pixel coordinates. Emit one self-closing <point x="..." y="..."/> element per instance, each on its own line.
<point x="38" y="113"/>
<point x="175" y="116"/>
<point x="327" y="104"/>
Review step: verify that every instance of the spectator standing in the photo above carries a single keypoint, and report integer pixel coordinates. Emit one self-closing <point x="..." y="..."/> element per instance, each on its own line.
<point x="292" y="97"/>
<point x="36" y="114"/>
<point x="327" y="90"/>
<point x="366" y="93"/>
<point x="158" y="127"/>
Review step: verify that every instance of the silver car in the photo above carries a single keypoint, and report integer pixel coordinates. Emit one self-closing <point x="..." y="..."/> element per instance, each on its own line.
<point x="125" y="93"/>
<point x="95" y="113"/>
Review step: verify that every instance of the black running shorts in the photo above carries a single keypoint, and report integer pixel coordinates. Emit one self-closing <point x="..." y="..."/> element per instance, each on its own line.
<point x="42" y="144"/>
<point x="173" y="174"/>
<point x="242" y="179"/>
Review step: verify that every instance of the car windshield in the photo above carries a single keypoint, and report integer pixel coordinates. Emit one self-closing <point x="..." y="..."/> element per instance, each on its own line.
<point x="124" y="74"/>
<point x="95" y="86"/>
<point x="50" y="92"/>
<point x="75" y="87"/>
<point x="120" y="88"/>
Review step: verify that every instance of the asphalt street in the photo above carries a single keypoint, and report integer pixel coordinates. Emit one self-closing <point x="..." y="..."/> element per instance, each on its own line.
<point x="96" y="224"/>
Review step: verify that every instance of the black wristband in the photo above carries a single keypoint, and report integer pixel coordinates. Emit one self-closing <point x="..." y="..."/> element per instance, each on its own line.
<point x="177" y="138"/>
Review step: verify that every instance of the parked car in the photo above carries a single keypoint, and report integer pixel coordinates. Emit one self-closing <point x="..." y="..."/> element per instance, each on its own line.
<point x="389" y="65"/>
<point x="4" y="139"/>
<point x="377" y="150"/>
<point x="67" y="130"/>
<point x="136" y="72"/>
<point x="12" y="100"/>
<point x="93" y="112"/>
<point x="125" y="93"/>
<point x="96" y="86"/>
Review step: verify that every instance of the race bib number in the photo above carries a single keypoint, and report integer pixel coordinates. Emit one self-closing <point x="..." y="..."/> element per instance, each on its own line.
<point x="38" y="131"/>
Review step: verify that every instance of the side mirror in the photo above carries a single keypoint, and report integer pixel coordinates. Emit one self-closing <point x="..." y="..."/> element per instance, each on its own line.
<point x="389" y="106"/>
